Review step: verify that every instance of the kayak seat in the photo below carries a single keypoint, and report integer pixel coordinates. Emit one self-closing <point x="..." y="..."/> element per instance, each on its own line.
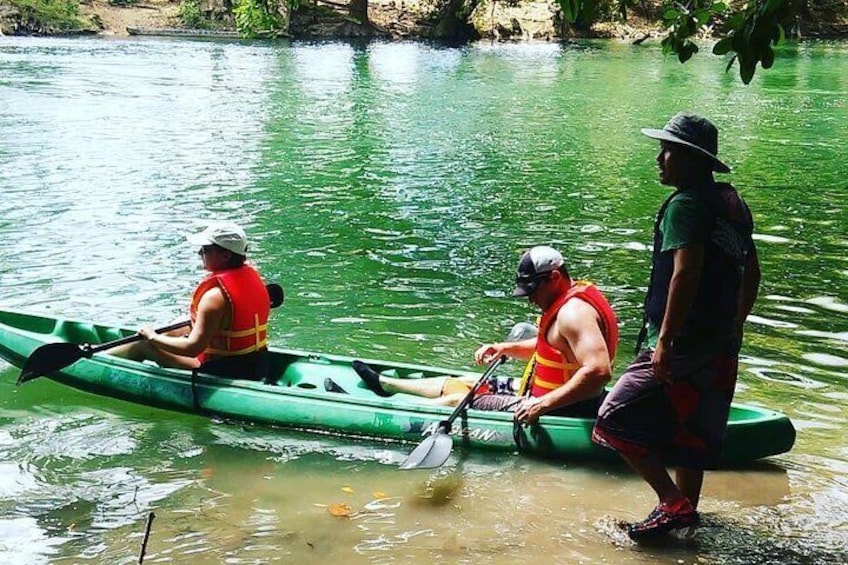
<point x="314" y="374"/>
<point x="75" y="332"/>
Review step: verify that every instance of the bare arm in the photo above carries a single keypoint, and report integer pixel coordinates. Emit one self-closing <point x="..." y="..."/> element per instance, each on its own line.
<point x="211" y="313"/>
<point x="515" y="349"/>
<point x="577" y="325"/>
<point x="688" y="265"/>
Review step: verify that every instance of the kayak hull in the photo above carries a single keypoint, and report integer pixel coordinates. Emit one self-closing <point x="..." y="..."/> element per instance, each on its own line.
<point x="296" y="397"/>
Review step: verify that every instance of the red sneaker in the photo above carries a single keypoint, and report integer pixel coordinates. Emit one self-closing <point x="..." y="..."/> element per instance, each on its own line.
<point x="678" y="519"/>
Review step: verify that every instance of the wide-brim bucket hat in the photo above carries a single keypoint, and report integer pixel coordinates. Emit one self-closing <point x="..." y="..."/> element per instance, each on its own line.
<point x="692" y="131"/>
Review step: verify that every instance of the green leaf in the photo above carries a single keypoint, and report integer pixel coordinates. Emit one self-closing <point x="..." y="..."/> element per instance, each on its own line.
<point x="702" y="16"/>
<point x="671" y="15"/>
<point x="736" y="20"/>
<point x="719" y="7"/>
<point x="773" y="5"/>
<point x="737" y="41"/>
<point x="723" y="47"/>
<point x="668" y="45"/>
<point x="570" y="9"/>
<point x="746" y="71"/>
<point x="768" y="57"/>
<point x="781" y="35"/>
<point x="686" y="51"/>
<point x="730" y="63"/>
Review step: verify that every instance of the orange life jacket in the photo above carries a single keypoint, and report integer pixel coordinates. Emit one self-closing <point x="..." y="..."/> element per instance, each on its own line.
<point x="550" y="369"/>
<point x="248" y="298"/>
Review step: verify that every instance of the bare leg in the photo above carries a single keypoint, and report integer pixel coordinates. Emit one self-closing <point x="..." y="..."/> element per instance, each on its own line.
<point x="143" y="351"/>
<point x="428" y="388"/>
<point x="449" y="399"/>
<point x="653" y="471"/>
<point x="689" y="481"/>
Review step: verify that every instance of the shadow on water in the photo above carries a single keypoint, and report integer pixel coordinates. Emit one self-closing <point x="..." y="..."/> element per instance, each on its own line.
<point x="732" y="541"/>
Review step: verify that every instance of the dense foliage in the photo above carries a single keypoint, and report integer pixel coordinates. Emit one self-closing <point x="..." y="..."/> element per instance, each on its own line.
<point x="259" y="17"/>
<point x="192" y="16"/>
<point x="49" y="15"/>
<point x="748" y="32"/>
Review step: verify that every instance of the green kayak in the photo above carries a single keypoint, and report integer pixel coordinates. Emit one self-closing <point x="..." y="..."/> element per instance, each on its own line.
<point x="297" y="397"/>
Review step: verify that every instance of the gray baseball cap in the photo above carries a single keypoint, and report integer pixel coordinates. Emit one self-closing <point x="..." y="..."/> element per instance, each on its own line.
<point x="692" y="131"/>
<point x="534" y="265"/>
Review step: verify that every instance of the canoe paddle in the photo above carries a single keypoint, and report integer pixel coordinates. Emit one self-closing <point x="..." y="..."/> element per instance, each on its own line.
<point x="52" y="357"/>
<point x="437" y="447"/>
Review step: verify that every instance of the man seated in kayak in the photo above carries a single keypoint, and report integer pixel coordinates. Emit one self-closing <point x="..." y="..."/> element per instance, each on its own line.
<point x="570" y="360"/>
<point x="229" y="314"/>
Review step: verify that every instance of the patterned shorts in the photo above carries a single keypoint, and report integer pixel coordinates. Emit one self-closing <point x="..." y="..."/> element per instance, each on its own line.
<point x="683" y="422"/>
<point x="510" y="403"/>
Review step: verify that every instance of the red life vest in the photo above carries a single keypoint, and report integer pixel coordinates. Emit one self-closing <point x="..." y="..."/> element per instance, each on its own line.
<point x="550" y="369"/>
<point x="248" y="298"/>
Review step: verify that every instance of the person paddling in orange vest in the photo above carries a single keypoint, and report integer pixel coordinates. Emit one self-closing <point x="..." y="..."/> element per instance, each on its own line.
<point x="570" y="360"/>
<point x="229" y="314"/>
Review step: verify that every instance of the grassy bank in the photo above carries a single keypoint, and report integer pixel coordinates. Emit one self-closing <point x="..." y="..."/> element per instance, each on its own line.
<point x="47" y="17"/>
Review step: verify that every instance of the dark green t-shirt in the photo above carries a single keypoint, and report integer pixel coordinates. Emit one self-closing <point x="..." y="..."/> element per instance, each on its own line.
<point x="686" y="223"/>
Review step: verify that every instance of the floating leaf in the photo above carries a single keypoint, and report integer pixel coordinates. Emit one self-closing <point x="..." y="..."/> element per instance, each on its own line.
<point x="347" y="490"/>
<point x="377" y="494"/>
<point x="319" y="505"/>
<point x="340" y="510"/>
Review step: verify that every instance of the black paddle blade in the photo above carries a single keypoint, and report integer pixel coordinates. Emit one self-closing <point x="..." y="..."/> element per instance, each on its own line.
<point x="50" y="358"/>
<point x="430" y="453"/>
<point x="275" y="294"/>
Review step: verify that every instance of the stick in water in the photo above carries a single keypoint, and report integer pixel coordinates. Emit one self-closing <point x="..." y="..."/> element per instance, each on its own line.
<point x="146" y="537"/>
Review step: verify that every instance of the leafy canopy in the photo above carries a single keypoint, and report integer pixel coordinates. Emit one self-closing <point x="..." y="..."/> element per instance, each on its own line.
<point x="748" y="32"/>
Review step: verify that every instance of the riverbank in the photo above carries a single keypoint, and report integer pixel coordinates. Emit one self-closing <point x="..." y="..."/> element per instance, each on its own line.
<point x="521" y="20"/>
<point x="115" y="19"/>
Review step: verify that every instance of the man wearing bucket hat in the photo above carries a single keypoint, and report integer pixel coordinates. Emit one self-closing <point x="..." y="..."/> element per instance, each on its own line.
<point x="229" y="314"/>
<point x="671" y="405"/>
<point x="570" y="359"/>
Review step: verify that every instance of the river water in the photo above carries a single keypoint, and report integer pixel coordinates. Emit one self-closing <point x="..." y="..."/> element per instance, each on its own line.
<point x="390" y="188"/>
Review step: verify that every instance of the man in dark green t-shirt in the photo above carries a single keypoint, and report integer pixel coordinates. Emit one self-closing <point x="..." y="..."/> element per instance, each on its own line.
<point x="671" y="405"/>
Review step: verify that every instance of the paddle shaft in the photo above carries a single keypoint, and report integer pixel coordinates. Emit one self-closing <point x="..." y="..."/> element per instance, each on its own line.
<point x="275" y="294"/>
<point x="494" y="364"/>
<point x="133" y="338"/>
<point x="436" y="448"/>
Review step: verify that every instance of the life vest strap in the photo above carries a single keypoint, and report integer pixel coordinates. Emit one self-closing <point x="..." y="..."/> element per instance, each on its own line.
<point x="529" y="369"/>
<point x="226" y="353"/>
<point x="547" y="385"/>
<point x="556" y="364"/>
<point x="245" y="333"/>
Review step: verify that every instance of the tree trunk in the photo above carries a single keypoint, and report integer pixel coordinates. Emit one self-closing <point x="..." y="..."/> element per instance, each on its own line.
<point x="358" y="10"/>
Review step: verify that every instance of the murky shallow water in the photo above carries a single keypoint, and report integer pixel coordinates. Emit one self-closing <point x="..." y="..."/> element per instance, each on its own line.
<point x="390" y="188"/>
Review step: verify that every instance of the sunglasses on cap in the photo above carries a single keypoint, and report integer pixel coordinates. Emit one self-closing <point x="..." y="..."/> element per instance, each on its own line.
<point x="529" y="284"/>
